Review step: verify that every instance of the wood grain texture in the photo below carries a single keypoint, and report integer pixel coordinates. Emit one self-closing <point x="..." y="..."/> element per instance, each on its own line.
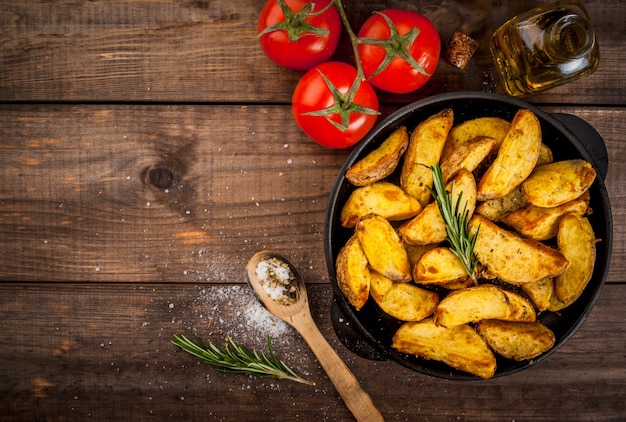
<point x="171" y="194"/>
<point x="157" y="193"/>
<point x="147" y="150"/>
<point x="102" y="352"/>
<point x="206" y="51"/>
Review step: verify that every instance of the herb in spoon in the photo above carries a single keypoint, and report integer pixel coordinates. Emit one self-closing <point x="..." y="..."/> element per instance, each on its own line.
<point x="239" y="360"/>
<point x="456" y="219"/>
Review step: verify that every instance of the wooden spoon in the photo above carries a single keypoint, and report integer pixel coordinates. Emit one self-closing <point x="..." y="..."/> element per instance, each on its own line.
<point x="298" y="315"/>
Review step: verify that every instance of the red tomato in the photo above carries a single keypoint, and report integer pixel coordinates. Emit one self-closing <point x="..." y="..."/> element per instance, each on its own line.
<point x="293" y="36"/>
<point x="336" y="118"/>
<point x="381" y="42"/>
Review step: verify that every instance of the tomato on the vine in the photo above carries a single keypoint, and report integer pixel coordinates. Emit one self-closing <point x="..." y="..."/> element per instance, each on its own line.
<point x="299" y="34"/>
<point x="399" y="50"/>
<point x="334" y="107"/>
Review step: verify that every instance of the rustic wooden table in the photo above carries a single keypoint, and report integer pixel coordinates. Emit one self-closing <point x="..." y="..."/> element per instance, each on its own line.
<point x="147" y="150"/>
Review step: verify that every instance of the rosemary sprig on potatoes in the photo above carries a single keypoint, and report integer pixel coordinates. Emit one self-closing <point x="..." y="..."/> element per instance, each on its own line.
<point x="239" y="359"/>
<point x="456" y="219"/>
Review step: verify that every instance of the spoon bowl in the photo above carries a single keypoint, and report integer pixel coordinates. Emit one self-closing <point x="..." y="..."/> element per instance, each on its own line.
<point x="298" y="315"/>
<point x="284" y="312"/>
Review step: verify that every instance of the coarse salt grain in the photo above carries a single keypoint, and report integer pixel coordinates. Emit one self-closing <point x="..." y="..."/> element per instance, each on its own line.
<point x="249" y="322"/>
<point x="277" y="280"/>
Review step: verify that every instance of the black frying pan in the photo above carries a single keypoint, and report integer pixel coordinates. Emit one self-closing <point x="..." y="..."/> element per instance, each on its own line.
<point x="368" y="332"/>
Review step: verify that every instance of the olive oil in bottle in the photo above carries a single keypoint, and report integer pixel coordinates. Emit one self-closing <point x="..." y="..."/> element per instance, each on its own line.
<point x="545" y="47"/>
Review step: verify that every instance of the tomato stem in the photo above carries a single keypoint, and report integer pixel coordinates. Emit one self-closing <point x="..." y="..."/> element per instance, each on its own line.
<point x="295" y="24"/>
<point x="353" y="39"/>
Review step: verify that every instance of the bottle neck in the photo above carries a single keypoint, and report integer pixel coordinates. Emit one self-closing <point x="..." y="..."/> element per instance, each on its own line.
<point x="570" y="37"/>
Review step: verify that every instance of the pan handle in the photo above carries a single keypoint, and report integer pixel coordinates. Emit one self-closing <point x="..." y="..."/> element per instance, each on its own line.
<point x="589" y="138"/>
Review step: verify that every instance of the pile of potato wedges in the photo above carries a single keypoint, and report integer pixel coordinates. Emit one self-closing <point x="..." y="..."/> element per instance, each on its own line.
<point x="535" y="247"/>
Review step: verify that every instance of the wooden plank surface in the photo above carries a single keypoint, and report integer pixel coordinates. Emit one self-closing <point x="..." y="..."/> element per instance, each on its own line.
<point x="147" y="150"/>
<point x="103" y="345"/>
<point x="206" y="51"/>
<point x="171" y="194"/>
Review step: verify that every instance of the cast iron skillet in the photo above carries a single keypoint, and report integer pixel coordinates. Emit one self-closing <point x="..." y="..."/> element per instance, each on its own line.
<point x="368" y="332"/>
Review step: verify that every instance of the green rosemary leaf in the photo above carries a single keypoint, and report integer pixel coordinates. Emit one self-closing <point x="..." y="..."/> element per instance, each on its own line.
<point x="237" y="359"/>
<point x="456" y="219"/>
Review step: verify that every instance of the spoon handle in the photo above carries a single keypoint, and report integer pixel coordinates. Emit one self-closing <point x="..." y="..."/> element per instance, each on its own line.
<point x="355" y="398"/>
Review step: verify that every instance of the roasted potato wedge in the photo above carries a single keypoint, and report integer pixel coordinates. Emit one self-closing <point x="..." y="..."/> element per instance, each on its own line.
<point x="492" y="127"/>
<point x="439" y="265"/>
<point x="425" y="147"/>
<point x="540" y="292"/>
<point x="485" y="301"/>
<point x="353" y="273"/>
<point x="383" y="248"/>
<point x="403" y="301"/>
<point x="543" y="223"/>
<point x="545" y="156"/>
<point x="428" y="226"/>
<point x="554" y="184"/>
<point x="577" y="242"/>
<point x="460" y="346"/>
<point x="459" y="284"/>
<point x="556" y="305"/>
<point x="516" y="157"/>
<point x="512" y="258"/>
<point x="381" y="162"/>
<point x="466" y="156"/>
<point x="382" y="198"/>
<point x="379" y="286"/>
<point x="521" y="309"/>
<point x="516" y="340"/>
<point x="496" y="209"/>
<point x="415" y="252"/>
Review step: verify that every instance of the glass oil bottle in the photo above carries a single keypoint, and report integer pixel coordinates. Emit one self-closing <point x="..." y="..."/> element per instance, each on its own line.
<point x="545" y="47"/>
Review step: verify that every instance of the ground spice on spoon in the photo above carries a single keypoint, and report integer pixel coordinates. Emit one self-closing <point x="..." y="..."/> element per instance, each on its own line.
<point x="278" y="280"/>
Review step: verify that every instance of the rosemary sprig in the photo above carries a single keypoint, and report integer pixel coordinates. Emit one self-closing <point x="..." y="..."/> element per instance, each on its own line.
<point x="456" y="219"/>
<point x="239" y="360"/>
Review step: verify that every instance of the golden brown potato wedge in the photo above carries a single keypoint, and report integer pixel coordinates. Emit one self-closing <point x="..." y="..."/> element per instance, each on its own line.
<point x="382" y="198"/>
<point x="461" y="346"/>
<point x="516" y="157"/>
<point x="516" y="340"/>
<point x="556" y="305"/>
<point x="353" y="273"/>
<point x="496" y="209"/>
<point x="540" y="292"/>
<point x="425" y="147"/>
<point x="459" y="284"/>
<point x="439" y="265"/>
<point x="577" y="242"/>
<point x="492" y="127"/>
<point x="521" y="309"/>
<point x="383" y="248"/>
<point x="512" y="258"/>
<point x="485" y="301"/>
<point x="466" y="156"/>
<point x="541" y="223"/>
<point x="381" y="162"/>
<point x="415" y="252"/>
<point x="403" y="301"/>
<point x="545" y="156"/>
<point x="379" y="286"/>
<point x="428" y="226"/>
<point x="554" y="184"/>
